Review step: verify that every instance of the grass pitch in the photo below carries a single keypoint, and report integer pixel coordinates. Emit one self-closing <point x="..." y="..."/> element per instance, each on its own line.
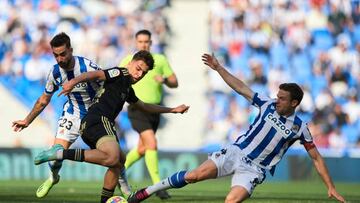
<point x="213" y="191"/>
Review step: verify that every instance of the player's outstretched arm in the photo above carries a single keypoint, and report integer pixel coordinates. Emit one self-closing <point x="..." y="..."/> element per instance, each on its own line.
<point x="323" y="172"/>
<point x="153" y="108"/>
<point x="84" y="77"/>
<point x="39" y="106"/>
<point x="236" y="84"/>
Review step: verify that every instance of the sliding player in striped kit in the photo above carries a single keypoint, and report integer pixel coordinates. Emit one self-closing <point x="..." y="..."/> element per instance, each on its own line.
<point x="274" y="130"/>
<point x="77" y="105"/>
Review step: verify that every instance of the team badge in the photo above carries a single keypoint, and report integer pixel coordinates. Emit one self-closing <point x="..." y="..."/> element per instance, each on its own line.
<point x="114" y="73"/>
<point x="217" y="155"/>
<point x="93" y="65"/>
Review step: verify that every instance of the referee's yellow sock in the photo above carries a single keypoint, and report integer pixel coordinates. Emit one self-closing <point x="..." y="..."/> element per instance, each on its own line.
<point x="151" y="160"/>
<point x="132" y="157"/>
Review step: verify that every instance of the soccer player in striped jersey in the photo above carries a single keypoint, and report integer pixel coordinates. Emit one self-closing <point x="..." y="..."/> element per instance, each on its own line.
<point x="79" y="100"/>
<point x="97" y="127"/>
<point x="274" y="130"/>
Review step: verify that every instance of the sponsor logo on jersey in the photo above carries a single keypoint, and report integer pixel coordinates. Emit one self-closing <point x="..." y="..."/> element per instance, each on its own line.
<point x="114" y="73"/>
<point x="278" y="125"/>
<point x="80" y="87"/>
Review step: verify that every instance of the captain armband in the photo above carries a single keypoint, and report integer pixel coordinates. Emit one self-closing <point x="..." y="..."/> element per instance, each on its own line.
<point x="309" y="145"/>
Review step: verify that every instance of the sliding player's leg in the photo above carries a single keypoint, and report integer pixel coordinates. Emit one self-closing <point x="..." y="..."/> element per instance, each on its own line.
<point x="207" y="170"/>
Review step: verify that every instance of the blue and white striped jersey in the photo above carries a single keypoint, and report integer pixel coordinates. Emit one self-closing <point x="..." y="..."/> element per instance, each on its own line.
<point x="80" y="98"/>
<point x="270" y="135"/>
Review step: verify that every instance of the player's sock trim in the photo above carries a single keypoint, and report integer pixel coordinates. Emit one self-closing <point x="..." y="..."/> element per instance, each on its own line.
<point x="106" y="194"/>
<point x="74" y="154"/>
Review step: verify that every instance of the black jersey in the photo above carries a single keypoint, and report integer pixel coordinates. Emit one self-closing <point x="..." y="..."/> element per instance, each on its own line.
<point x="117" y="89"/>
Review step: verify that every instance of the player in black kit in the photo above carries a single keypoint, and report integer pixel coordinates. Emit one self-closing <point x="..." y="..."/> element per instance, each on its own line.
<point x="97" y="127"/>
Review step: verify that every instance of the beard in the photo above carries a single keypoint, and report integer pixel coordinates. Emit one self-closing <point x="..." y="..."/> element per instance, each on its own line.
<point x="65" y="65"/>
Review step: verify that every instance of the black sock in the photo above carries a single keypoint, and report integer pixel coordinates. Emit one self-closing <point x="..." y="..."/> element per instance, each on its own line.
<point x="106" y="194"/>
<point x="74" y="154"/>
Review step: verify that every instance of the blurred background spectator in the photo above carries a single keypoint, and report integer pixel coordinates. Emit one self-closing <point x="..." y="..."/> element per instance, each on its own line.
<point x="313" y="42"/>
<point x="100" y="30"/>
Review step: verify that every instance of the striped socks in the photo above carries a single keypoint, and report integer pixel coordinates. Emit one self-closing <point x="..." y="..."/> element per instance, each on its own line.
<point x="106" y="194"/>
<point x="74" y="154"/>
<point x="177" y="180"/>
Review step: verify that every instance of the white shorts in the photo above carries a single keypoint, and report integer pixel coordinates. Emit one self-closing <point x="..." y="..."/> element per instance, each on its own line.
<point x="230" y="161"/>
<point x="68" y="127"/>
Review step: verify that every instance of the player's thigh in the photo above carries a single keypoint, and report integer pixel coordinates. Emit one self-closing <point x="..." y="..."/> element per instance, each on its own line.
<point x="247" y="176"/>
<point x="110" y="147"/>
<point x="68" y="129"/>
<point x="96" y="130"/>
<point x="237" y="194"/>
<point x="207" y="170"/>
<point x="225" y="160"/>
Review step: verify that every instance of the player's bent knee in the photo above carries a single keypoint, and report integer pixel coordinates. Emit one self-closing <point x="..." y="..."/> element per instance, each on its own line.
<point x="112" y="161"/>
<point x="233" y="199"/>
<point x="141" y="152"/>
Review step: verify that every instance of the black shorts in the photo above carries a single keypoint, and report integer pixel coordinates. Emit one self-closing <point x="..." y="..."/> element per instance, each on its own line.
<point x="141" y="121"/>
<point x="93" y="128"/>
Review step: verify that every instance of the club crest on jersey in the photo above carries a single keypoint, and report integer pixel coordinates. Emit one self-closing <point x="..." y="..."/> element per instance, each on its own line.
<point x="278" y="125"/>
<point x="114" y="73"/>
<point x="93" y="65"/>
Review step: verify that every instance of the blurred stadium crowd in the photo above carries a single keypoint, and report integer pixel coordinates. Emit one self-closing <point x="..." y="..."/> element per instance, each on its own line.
<point x="315" y="43"/>
<point x="102" y="31"/>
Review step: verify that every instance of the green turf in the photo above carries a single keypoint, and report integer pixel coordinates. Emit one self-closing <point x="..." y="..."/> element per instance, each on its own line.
<point x="204" y="192"/>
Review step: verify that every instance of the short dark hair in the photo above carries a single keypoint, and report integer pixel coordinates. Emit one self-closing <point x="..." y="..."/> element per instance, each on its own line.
<point x="296" y="93"/>
<point x="146" y="57"/>
<point x="60" y="39"/>
<point x="143" y="32"/>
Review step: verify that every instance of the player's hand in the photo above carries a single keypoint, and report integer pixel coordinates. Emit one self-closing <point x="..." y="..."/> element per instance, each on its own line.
<point x="211" y="61"/>
<point x="159" y="79"/>
<point x="180" y="109"/>
<point x="67" y="87"/>
<point x="19" y="125"/>
<point x="332" y="193"/>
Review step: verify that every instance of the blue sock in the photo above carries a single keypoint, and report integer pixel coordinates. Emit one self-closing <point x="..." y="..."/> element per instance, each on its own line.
<point x="177" y="180"/>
